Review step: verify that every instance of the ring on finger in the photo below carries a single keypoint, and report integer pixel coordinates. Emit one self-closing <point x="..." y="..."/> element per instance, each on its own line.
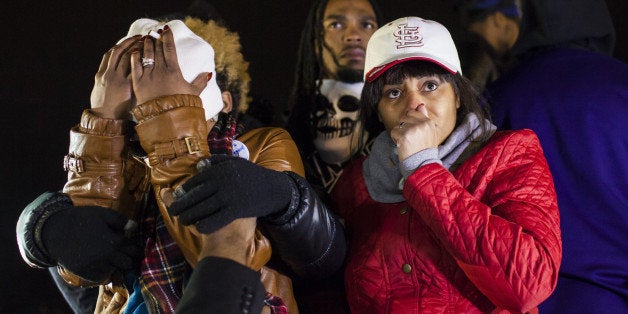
<point x="147" y="62"/>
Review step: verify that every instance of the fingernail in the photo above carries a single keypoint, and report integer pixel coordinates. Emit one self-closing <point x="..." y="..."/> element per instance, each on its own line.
<point x="159" y="31"/>
<point x="166" y="27"/>
<point x="209" y="76"/>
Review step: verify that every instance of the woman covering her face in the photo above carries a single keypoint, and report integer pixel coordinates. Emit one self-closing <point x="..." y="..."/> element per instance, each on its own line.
<point x="445" y="214"/>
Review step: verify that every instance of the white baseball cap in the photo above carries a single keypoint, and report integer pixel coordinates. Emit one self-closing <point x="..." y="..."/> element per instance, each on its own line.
<point x="410" y="38"/>
<point x="194" y="54"/>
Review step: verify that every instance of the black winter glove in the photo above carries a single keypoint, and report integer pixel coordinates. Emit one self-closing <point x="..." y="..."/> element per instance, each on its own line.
<point x="89" y="241"/>
<point x="227" y="188"/>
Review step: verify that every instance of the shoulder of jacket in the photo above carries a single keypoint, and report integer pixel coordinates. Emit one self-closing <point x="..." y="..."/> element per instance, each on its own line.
<point x="266" y="130"/>
<point x="514" y="136"/>
<point x="265" y="133"/>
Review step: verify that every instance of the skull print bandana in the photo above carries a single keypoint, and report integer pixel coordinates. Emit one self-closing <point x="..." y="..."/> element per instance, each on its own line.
<point x="336" y="120"/>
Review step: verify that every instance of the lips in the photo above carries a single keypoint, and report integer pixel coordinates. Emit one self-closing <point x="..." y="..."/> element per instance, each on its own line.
<point x="353" y="53"/>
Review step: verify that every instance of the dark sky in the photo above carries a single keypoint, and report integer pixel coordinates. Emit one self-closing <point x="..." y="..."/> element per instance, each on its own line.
<point x="50" y="53"/>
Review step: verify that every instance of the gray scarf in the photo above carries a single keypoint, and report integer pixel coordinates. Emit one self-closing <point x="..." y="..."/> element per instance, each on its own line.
<point x="385" y="177"/>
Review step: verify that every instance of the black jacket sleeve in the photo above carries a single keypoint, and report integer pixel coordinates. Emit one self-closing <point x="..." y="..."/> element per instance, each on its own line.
<point x="219" y="285"/>
<point x="307" y="236"/>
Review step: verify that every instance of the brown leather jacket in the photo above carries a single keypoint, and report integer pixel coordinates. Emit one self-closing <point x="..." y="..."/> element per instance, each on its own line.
<point x="172" y="131"/>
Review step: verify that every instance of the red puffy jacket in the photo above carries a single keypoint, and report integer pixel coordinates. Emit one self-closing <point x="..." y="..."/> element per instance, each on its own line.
<point x="485" y="238"/>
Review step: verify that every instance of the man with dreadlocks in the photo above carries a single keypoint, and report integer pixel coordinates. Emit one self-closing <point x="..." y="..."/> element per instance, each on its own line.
<point x="324" y="109"/>
<point x="188" y="198"/>
<point x="324" y="106"/>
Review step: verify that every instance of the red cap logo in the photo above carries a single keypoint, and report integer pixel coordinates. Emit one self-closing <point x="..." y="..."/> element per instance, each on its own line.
<point x="408" y="36"/>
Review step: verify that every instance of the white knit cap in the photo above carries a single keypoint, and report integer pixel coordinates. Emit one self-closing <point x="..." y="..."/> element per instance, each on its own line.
<point x="410" y="38"/>
<point x="195" y="56"/>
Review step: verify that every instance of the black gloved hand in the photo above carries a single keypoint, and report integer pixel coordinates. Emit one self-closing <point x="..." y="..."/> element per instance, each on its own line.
<point x="89" y="241"/>
<point x="227" y="188"/>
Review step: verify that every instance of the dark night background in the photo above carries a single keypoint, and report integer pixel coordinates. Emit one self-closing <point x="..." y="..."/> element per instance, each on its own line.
<point x="50" y="53"/>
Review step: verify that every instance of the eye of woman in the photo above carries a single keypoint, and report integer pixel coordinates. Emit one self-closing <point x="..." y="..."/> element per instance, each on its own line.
<point x="392" y="93"/>
<point x="430" y="86"/>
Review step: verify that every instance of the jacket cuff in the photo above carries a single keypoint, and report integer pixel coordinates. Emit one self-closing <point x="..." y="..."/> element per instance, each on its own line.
<point x="92" y="124"/>
<point x="157" y="106"/>
<point x="30" y="224"/>
<point x="172" y="126"/>
<point x="96" y="140"/>
<point x="96" y="159"/>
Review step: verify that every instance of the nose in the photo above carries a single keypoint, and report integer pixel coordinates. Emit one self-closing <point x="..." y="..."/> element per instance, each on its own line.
<point x="414" y="100"/>
<point x="353" y="34"/>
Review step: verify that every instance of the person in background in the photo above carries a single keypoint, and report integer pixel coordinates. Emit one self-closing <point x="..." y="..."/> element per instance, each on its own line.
<point x="323" y="109"/>
<point x="324" y="105"/>
<point x="567" y="87"/>
<point x="445" y="214"/>
<point x="489" y="30"/>
<point x="175" y="101"/>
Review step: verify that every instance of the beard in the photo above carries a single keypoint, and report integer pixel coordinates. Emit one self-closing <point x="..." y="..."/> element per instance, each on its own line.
<point x="348" y="75"/>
